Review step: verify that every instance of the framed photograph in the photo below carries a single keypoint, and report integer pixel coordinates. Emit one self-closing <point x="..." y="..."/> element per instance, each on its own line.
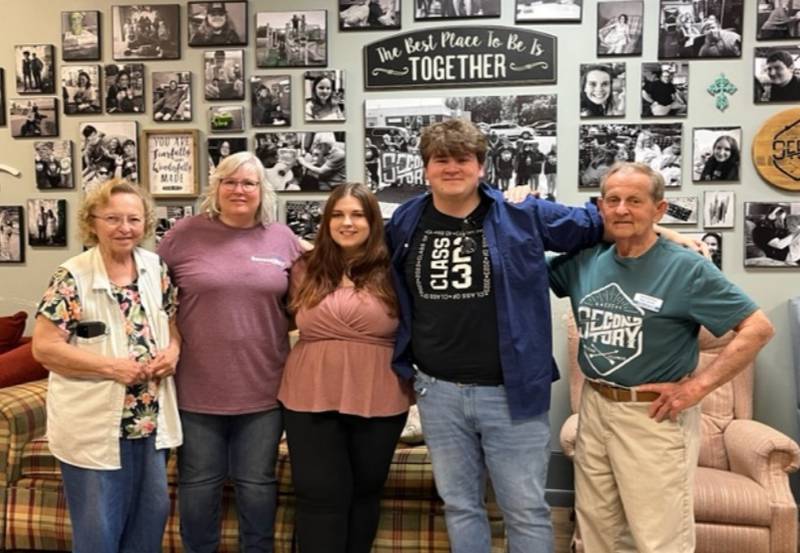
<point x="52" y="162"/>
<point x="303" y="161"/>
<point x="772" y="234"/>
<point x="108" y="149"/>
<point x="35" y="68"/>
<point x="704" y="29"/>
<point x="168" y="215"/>
<point x="47" y="222"/>
<point x="324" y="95"/>
<point x="223" y="75"/>
<point x="80" y="35"/>
<point x="681" y="210"/>
<point x="146" y="32"/>
<point x="33" y="117"/>
<point x="80" y="88"/>
<point x="429" y="10"/>
<point x="602" y="90"/>
<point x="777" y="19"/>
<point x="665" y="89"/>
<point x="366" y="15"/>
<point x="775" y="74"/>
<point x="270" y="100"/>
<point x="718" y="209"/>
<point x="619" y="27"/>
<point x="520" y="131"/>
<point x="172" y="96"/>
<point x="714" y="242"/>
<point x="2" y="97"/>
<point x="220" y="148"/>
<point x="292" y="39"/>
<point x="171" y="162"/>
<point x="548" y="11"/>
<point x="12" y="246"/>
<point x="602" y="145"/>
<point x="304" y="217"/>
<point x="223" y="119"/>
<point x="124" y="88"/>
<point x="717" y="154"/>
<point x="217" y="23"/>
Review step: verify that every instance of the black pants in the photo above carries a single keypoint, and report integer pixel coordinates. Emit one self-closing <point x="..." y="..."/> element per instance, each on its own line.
<point x="339" y="465"/>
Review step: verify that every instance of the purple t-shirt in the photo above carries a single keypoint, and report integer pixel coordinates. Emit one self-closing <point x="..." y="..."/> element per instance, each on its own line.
<point x="232" y="286"/>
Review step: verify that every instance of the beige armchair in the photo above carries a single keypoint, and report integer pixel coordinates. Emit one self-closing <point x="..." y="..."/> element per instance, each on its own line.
<point x="742" y="498"/>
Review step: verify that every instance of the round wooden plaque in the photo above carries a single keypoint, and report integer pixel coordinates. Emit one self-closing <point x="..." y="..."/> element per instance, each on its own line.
<point x="776" y="150"/>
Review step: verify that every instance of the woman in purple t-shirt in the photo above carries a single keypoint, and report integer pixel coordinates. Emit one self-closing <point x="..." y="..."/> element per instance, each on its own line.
<point x="231" y="264"/>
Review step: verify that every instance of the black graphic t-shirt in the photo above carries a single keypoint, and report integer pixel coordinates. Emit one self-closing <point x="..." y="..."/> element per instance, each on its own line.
<point x="454" y="329"/>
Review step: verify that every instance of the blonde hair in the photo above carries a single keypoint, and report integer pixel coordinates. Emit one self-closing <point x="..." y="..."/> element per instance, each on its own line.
<point x="228" y="166"/>
<point x="101" y="196"/>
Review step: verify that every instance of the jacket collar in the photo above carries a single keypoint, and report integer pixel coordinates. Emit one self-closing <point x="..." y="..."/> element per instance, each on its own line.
<point x="100" y="279"/>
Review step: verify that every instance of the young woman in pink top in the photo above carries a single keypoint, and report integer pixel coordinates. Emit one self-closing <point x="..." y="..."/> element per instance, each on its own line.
<point x="344" y="405"/>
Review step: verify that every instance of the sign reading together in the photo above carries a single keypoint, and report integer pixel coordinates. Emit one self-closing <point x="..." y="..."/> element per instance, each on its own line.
<point x="461" y="56"/>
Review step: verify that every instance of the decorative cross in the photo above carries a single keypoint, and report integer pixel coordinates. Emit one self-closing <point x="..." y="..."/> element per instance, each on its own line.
<point x="719" y="88"/>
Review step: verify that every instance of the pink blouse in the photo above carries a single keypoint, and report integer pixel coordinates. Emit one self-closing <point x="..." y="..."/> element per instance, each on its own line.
<point x="342" y="361"/>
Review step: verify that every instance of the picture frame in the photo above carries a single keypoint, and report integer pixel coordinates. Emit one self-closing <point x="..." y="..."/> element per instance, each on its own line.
<point x="775" y="77"/>
<point x="223" y="75"/>
<point x="692" y="30"/>
<point x="2" y="97"/>
<point x="548" y="11"/>
<point x="145" y="32"/>
<point x="719" y="209"/>
<point x="434" y="10"/>
<point x="771" y="237"/>
<point x="775" y="19"/>
<point x="123" y="87"/>
<point x="172" y="96"/>
<point x="602" y="90"/>
<point x="681" y="210"/>
<point x="716" y="154"/>
<point x="372" y="15"/>
<point x="12" y="232"/>
<point x="620" y="25"/>
<point x="108" y="149"/>
<point x="665" y="89"/>
<point x="324" y="95"/>
<point x="80" y="35"/>
<point x="47" y="222"/>
<point x="713" y="240"/>
<point x="292" y="38"/>
<point x="270" y="100"/>
<point x="80" y="89"/>
<point x="303" y="217"/>
<point x="171" y="161"/>
<point x="35" y="69"/>
<point x="220" y="148"/>
<point x="168" y="215"/>
<point x="217" y="23"/>
<point x="52" y="164"/>
<point x="225" y="119"/>
<point x="303" y="161"/>
<point x="33" y="117"/>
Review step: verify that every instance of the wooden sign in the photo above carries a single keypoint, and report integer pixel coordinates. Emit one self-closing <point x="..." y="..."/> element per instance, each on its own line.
<point x="461" y="56"/>
<point x="171" y="169"/>
<point x="776" y="150"/>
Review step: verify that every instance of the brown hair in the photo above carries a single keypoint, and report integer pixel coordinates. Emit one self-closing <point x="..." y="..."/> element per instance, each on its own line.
<point x="326" y="263"/>
<point x="454" y="137"/>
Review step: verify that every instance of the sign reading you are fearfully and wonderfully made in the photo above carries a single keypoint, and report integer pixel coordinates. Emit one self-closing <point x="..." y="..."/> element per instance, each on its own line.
<point x="461" y="56"/>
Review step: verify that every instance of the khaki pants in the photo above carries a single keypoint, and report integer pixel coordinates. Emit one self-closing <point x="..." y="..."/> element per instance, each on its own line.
<point x="634" y="477"/>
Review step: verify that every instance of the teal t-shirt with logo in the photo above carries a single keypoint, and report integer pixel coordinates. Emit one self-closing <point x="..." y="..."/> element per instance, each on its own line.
<point x="638" y="318"/>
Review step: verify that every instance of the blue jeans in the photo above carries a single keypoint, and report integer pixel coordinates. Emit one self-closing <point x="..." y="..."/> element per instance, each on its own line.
<point x="468" y="429"/>
<point x="122" y="510"/>
<point x="243" y="448"/>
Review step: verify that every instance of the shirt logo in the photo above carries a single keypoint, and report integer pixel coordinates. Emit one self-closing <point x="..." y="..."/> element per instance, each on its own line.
<point x="272" y="260"/>
<point x="446" y="269"/>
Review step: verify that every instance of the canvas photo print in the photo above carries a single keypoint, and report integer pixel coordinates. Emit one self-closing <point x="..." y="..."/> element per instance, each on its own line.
<point x="719" y="209"/>
<point x="602" y="90"/>
<point x="33" y="117"/>
<point x="271" y="104"/>
<point x="80" y="35"/>
<point x="776" y="74"/>
<point x="324" y="95"/>
<point x="35" y="69"/>
<point x="304" y="217"/>
<point x="52" y="163"/>
<point x="80" y="89"/>
<point x="603" y="145"/>
<point x="707" y="29"/>
<point x="292" y="39"/>
<point x="619" y="27"/>
<point x="771" y="234"/>
<point x="47" y="222"/>
<point x="681" y="210"/>
<point x="172" y="96"/>
<point x="665" y="89"/>
<point x="222" y="119"/>
<point x="220" y="148"/>
<point x="109" y="149"/>
<point x="303" y="161"/>
<point x="124" y="88"/>
<point x="12" y="245"/>
<point x="168" y="215"/>
<point x="217" y="23"/>
<point x="714" y="242"/>
<point x="455" y="9"/>
<point x="555" y="11"/>
<point x="223" y="75"/>
<point x="717" y="154"/>
<point x="146" y="32"/>
<point x="363" y="15"/>
<point x="777" y="19"/>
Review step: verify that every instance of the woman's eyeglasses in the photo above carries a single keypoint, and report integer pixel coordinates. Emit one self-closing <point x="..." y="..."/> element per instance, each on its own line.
<point x="118" y="220"/>
<point x="231" y="184"/>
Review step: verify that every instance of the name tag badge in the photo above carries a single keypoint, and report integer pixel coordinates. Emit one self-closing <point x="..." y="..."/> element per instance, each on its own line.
<point x="648" y="302"/>
<point x="277" y="261"/>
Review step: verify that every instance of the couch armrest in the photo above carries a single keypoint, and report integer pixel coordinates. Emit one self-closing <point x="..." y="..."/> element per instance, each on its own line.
<point x="569" y="435"/>
<point x="22" y="418"/>
<point x="763" y="454"/>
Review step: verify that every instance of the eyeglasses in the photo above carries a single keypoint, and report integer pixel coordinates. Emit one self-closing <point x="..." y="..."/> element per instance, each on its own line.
<point x="231" y="184"/>
<point x="118" y="220"/>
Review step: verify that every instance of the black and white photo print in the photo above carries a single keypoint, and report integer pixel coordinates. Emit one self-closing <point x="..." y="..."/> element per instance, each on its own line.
<point x="124" y="88"/>
<point x="80" y="88"/>
<point x="33" y="117"/>
<point x="80" y="35"/>
<point x="220" y="148"/>
<point x="717" y="154"/>
<point x="665" y="89"/>
<point x="292" y="39"/>
<point x="324" y="95"/>
<point x="217" y="23"/>
<point x="454" y="9"/>
<point x="304" y="217"/>
<point x="548" y="11"/>
<point x="146" y="32"/>
<point x="700" y="29"/>
<point x="619" y="27"/>
<point x="772" y="234"/>
<point x="681" y="210"/>
<point x="303" y="161"/>
<point x="777" y="19"/>
<point x="168" y="215"/>
<point x="776" y="74"/>
<point x="602" y="90"/>
<point x="47" y="222"/>
<point x="172" y="96"/>
<point x="109" y="149"/>
<point x="270" y="97"/>
<point x="365" y="15"/>
<point x="719" y="209"/>
<point x="714" y="242"/>
<point x="223" y="75"/>
<point x="12" y="245"/>
<point x="52" y="163"/>
<point x="35" y="69"/>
